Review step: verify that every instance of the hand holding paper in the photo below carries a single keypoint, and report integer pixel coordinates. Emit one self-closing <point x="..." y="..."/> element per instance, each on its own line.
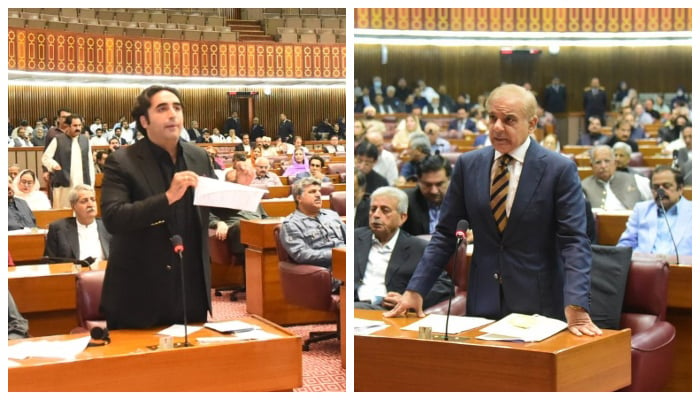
<point x="214" y="193"/>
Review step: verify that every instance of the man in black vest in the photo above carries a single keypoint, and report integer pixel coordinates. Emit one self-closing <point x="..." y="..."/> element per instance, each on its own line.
<point x="69" y="160"/>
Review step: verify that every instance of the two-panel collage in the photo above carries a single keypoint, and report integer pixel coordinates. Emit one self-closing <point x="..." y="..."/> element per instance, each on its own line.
<point x="185" y="200"/>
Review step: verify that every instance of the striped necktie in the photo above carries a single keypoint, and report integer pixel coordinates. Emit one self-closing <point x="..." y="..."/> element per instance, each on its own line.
<point x="499" y="192"/>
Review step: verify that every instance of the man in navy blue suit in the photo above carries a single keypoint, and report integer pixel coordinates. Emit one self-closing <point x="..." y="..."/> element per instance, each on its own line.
<point x="536" y="260"/>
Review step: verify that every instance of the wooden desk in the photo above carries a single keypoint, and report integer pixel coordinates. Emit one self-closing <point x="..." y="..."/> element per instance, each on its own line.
<point x="45" y="217"/>
<point x="560" y="363"/>
<point x="45" y="295"/>
<point x="284" y="207"/>
<point x="653" y="161"/>
<point x="264" y="294"/>
<point x="339" y="260"/>
<point x="128" y="365"/>
<point x="26" y="247"/>
<point x="610" y="226"/>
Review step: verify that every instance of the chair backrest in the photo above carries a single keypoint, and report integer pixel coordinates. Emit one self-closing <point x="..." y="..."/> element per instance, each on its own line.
<point x="327" y="188"/>
<point x="338" y="202"/>
<point x="646" y="293"/>
<point x="304" y="285"/>
<point x="336" y="168"/>
<point x="609" y="272"/>
<point x="88" y="291"/>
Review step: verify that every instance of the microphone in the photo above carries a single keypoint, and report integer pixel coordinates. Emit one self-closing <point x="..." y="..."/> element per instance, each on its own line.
<point x="179" y="248"/>
<point x="98" y="333"/>
<point x="660" y="195"/>
<point x="83" y="263"/>
<point x="674" y="164"/>
<point x="460" y="234"/>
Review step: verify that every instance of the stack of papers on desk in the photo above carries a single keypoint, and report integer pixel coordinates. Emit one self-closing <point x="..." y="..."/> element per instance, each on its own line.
<point x="457" y="323"/>
<point x="367" y="326"/>
<point x="523" y="328"/>
<point x="65" y="349"/>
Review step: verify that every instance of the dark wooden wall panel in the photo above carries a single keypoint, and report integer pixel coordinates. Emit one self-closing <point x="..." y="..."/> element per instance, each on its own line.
<point x="209" y="106"/>
<point x="478" y="69"/>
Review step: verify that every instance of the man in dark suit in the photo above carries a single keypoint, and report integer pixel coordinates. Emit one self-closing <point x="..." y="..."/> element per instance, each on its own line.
<point x="461" y="123"/>
<point x="286" y="129"/>
<point x="386" y="256"/>
<point x="532" y="253"/>
<point x="257" y="130"/>
<point x="233" y="122"/>
<point x="425" y="199"/>
<point x="554" y="99"/>
<point x="81" y="236"/>
<point x="147" y="199"/>
<point x="595" y="101"/>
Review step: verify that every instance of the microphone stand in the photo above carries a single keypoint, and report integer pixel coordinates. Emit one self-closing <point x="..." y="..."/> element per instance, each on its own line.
<point x="449" y="301"/>
<point x="670" y="233"/>
<point x="184" y="300"/>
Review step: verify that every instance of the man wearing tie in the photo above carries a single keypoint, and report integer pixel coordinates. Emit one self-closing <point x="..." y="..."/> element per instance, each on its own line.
<point x="461" y="123"/>
<point x="527" y="212"/>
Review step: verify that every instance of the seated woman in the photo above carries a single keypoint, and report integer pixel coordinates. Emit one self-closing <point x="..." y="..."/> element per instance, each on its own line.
<point x="551" y="142"/>
<point x="316" y="165"/>
<point x="26" y="187"/>
<point x="405" y="128"/>
<point x="299" y="164"/>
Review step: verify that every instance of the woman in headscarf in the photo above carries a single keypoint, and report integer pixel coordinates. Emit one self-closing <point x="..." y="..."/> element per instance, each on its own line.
<point x="405" y="128"/>
<point x="299" y="164"/>
<point x="27" y="188"/>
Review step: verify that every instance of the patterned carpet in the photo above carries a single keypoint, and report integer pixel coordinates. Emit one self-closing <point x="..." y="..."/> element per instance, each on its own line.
<point x="320" y="366"/>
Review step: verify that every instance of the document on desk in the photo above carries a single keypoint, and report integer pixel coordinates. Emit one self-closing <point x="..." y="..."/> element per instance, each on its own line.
<point x="22" y="271"/>
<point x="27" y="231"/>
<point x="367" y="326"/>
<point x="64" y="349"/>
<point x="178" y="330"/>
<point x="457" y="323"/>
<point x="215" y="193"/>
<point x="231" y="326"/>
<point x="523" y="328"/>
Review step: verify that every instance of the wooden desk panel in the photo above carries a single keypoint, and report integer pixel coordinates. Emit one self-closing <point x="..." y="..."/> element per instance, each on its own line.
<point x="264" y="294"/>
<point x="26" y="247"/>
<point x="45" y="217"/>
<point x="339" y="261"/>
<point x="653" y="161"/>
<point x="611" y="226"/>
<point x="128" y="365"/>
<point x="560" y="363"/>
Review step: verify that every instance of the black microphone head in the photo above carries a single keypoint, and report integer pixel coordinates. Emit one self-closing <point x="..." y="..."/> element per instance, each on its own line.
<point x="675" y="153"/>
<point x="86" y="262"/>
<point x="661" y="194"/>
<point x="176" y="241"/>
<point x="99" y="333"/>
<point x="462" y="228"/>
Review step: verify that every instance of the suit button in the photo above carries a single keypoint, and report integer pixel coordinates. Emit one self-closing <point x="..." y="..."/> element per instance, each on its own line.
<point x="168" y="267"/>
<point x="495" y="276"/>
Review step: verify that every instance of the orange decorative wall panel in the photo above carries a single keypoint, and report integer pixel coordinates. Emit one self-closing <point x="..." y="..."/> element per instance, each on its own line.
<point x="526" y="19"/>
<point x="57" y="51"/>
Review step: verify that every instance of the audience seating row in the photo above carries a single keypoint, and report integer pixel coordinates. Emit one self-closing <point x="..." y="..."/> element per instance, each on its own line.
<point x="120" y="15"/>
<point x="264" y="13"/>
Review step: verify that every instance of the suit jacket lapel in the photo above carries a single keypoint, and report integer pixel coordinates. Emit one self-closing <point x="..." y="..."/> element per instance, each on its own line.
<point x="103" y="234"/>
<point x="364" y="243"/>
<point x="72" y="236"/>
<point x="530" y="176"/>
<point x="398" y="258"/>
<point x="149" y="168"/>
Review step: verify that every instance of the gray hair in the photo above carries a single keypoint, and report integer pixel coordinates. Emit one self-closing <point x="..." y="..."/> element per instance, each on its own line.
<point x="624" y="146"/>
<point x="419" y="141"/>
<point x="75" y="193"/>
<point x="399" y="195"/>
<point x="529" y="102"/>
<point x="597" y="147"/>
<point x="301" y="184"/>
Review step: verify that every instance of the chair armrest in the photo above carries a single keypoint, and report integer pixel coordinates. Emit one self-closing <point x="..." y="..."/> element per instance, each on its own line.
<point x="659" y="335"/>
<point x="458" y="307"/>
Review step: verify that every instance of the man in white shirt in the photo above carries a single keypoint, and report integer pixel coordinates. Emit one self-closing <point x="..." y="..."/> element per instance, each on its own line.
<point x="99" y="139"/>
<point x="386" y="161"/>
<point x="609" y="189"/>
<point x="386" y="256"/>
<point x="69" y="158"/>
<point x="80" y="237"/>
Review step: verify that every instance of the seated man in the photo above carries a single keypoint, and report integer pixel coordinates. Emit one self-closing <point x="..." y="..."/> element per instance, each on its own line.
<point x="594" y="133"/>
<point x="425" y="199"/>
<point x="607" y="188"/>
<point x="361" y="200"/>
<point x="227" y="221"/>
<point x="366" y="155"/>
<point x="623" y="131"/>
<point x="437" y="144"/>
<point x="647" y="230"/>
<point x="334" y="147"/>
<point x="386" y="256"/>
<point x="418" y="150"/>
<point x="19" y="215"/>
<point x="18" y="326"/>
<point x="310" y="233"/>
<point x="623" y="153"/>
<point x="263" y="176"/>
<point x="81" y="236"/>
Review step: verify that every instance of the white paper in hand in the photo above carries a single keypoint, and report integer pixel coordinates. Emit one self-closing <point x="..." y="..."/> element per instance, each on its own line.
<point x="215" y="193"/>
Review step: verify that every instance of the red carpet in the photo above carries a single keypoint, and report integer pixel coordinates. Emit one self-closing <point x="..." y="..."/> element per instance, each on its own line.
<point x="320" y="365"/>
